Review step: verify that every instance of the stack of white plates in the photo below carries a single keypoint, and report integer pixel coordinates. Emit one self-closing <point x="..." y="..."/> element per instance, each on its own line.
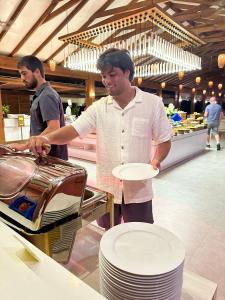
<point x="141" y="261"/>
<point x="60" y="207"/>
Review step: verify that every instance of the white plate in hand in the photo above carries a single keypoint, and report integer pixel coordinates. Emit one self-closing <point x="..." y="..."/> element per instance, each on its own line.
<point x="134" y="171"/>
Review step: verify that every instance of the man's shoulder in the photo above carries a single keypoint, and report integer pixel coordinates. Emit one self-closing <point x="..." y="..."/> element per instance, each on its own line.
<point x="146" y="96"/>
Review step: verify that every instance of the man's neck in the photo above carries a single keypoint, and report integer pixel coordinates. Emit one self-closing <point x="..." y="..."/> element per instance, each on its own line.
<point x="40" y="82"/>
<point x="124" y="99"/>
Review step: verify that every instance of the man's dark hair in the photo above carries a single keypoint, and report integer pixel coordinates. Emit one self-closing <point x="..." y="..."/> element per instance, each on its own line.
<point x="118" y="58"/>
<point x="31" y="63"/>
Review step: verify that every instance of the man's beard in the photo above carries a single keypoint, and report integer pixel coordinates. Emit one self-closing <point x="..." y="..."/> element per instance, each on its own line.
<point x="32" y="84"/>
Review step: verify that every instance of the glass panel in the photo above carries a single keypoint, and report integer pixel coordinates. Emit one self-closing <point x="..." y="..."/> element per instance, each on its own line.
<point x="15" y="172"/>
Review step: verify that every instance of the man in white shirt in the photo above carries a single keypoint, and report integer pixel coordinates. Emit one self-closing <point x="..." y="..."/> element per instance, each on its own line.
<point x="125" y="122"/>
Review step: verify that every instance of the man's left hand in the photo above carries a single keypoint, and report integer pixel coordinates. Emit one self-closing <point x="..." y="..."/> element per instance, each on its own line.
<point x="155" y="164"/>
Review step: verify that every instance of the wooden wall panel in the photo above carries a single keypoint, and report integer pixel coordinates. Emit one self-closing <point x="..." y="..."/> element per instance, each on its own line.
<point x="19" y="103"/>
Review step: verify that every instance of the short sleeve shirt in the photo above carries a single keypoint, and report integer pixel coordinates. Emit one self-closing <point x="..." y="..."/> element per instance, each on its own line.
<point x="125" y="136"/>
<point x="46" y="106"/>
<point x="214" y="110"/>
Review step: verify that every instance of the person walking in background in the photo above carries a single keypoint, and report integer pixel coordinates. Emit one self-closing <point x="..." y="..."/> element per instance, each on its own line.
<point x="46" y="114"/>
<point x="126" y="122"/>
<point x="213" y="114"/>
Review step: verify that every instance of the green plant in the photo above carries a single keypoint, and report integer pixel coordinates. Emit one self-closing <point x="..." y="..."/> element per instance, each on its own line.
<point x="5" y="108"/>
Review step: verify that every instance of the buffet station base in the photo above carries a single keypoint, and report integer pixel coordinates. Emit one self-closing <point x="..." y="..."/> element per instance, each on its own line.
<point x="47" y="201"/>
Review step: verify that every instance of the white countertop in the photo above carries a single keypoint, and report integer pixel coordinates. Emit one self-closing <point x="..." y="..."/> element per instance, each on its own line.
<point x="23" y="277"/>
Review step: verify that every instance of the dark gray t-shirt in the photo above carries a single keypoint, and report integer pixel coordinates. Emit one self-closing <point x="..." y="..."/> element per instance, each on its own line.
<point x="46" y="106"/>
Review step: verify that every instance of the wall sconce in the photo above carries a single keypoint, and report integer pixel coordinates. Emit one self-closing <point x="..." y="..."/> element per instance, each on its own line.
<point x="213" y="92"/>
<point x="220" y="86"/>
<point x="180" y="87"/>
<point x="210" y="84"/>
<point x="181" y="75"/>
<point x="139" y="81"/>
<point x="163" y="85"/>
<point x="204" y="92"/>
<point x="52" y="64"/>
<point x="221" y="60"/>
<point x="193" y="90"/>
<point x="198" y="79"/>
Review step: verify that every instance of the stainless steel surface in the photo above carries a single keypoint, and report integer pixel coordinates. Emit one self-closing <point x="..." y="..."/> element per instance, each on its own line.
<point x="56" y="187"/>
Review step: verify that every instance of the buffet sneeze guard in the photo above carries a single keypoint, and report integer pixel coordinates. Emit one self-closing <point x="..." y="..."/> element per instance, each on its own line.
<point x="46" y="200"/>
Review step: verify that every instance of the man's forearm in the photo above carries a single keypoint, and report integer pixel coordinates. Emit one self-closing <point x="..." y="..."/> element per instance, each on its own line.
<point x="162" y="151"/>
<point x="61" y="136"/>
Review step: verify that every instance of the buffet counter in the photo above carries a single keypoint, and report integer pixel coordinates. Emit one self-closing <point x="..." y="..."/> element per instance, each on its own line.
<point x="184" y="146"/>
<point x="14" y="131"/>
<point x="27" y="273"/>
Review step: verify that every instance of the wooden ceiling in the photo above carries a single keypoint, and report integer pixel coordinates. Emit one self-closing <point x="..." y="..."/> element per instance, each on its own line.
<point x="34" y="27"/>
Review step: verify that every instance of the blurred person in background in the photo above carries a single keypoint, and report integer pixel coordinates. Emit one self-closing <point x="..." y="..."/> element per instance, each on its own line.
<point x="213" y="114"/>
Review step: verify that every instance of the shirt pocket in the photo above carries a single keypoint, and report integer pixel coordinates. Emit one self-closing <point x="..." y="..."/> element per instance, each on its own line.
<point x="140" y="127"/>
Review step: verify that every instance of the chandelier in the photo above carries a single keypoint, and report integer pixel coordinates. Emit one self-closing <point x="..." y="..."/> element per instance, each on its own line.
<point x="143" y="45"/>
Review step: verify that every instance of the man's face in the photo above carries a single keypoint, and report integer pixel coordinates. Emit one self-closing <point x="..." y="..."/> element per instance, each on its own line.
<point x="28" y="77"/>
<point x="115" y="80"/>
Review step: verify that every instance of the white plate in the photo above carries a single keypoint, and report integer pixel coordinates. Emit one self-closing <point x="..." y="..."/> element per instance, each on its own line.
<point x="134" y="171"/>
<point x="142" y="248"/>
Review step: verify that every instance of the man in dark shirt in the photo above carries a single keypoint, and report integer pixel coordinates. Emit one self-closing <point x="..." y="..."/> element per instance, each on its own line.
<point x="46" y="114"/>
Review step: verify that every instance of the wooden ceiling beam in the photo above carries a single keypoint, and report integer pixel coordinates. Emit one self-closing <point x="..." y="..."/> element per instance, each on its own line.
<point x="94" y="16"/>
<point x="122" y="9"/>
<point x="12" y="19"/>
<point x="61" y="9"/>
<point x="10" y="63"/>
<point x="110" y="19"/>
<point x="214" y="39"/>
<point x="34" y="27"/>
<point x="56" y="52"/>
<point x="208" y="28"/>
<point x="89" y="21"/>
<point x="66" y="20"/>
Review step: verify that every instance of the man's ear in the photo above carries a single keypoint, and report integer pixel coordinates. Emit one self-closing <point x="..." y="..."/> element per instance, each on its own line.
<point x="127" y="73"/>
<point x="37" y="72"/>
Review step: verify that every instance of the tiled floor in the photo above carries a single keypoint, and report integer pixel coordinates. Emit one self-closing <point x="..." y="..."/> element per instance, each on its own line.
<point x="189" y="201"/>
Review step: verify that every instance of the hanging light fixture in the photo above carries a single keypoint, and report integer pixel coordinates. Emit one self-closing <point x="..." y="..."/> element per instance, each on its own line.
<point x="220" y="86"/>
<point x="213" y="93"/>
<point x="181" y="75"/>
<point x="173" y="57"/>
<point x="220" y="94"/>
<point x="221" y="60"/>
<point x="52" y="64"/>
<point x="198" y="80"/>
<point x="180" y="87"/>
<point x="210" y="84"/>
<point x="193" y="90"/>
<point x="139" y="81"/>
<point x="204" y="92"/>
<point x="163" y="85"/>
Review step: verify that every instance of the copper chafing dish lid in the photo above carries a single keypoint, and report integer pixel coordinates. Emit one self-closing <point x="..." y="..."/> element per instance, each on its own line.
<point x="15" y="172"/>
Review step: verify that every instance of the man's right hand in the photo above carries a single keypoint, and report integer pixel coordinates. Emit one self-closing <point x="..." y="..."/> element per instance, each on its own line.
<point x="18" y="147"/>
<point x="39" y="145"/>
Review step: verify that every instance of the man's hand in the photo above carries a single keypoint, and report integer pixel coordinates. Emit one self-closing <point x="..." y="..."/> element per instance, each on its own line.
<point x="18" y="147"/>
<point x="39" y="145"/>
